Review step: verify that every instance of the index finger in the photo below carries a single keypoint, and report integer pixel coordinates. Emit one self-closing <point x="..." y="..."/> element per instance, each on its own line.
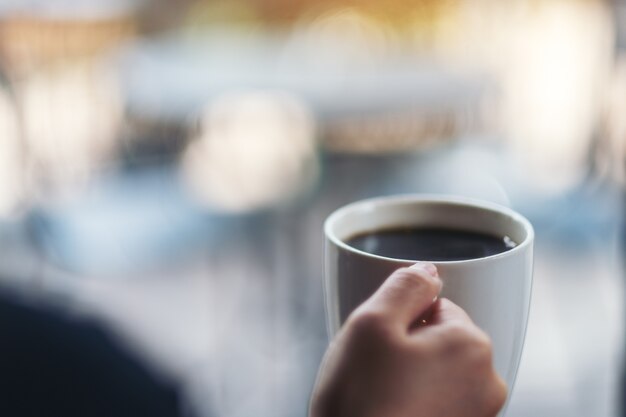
<point x="406" y="294"/>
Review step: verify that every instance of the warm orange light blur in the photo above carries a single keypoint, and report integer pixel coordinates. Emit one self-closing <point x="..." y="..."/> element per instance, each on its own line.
<point x="340" y="40"/>
<point x="30" y="43"/>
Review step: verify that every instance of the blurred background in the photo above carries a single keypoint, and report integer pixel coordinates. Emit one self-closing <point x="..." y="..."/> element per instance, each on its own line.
<point x="166" y="167"/>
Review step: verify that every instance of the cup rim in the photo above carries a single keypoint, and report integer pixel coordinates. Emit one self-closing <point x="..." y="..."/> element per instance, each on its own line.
<point x="429" y="198"/>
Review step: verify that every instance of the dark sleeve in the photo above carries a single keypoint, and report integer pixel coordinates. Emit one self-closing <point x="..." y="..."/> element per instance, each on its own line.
<point x="54" y="365"/>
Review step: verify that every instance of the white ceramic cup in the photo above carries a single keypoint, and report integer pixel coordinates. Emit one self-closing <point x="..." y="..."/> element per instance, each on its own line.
<point x="495" y="290"/>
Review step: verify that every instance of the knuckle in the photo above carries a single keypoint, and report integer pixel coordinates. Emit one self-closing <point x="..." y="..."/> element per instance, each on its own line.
<point x="482" y="344"/>
<point x="470" y="341"/>
<point x="496" y="396"/>
<point x="458" y="335"/>
<point x="502" y="392"/>
<point x="368" y="323"/>
<point x="481" y="352"/>
<point x="473" y="348"/>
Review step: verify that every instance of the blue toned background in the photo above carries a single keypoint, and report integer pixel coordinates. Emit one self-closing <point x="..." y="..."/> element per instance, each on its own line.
<point x="166" y="167"/>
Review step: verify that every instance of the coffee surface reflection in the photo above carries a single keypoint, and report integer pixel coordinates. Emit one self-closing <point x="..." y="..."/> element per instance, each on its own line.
<point x="430" y="244"/>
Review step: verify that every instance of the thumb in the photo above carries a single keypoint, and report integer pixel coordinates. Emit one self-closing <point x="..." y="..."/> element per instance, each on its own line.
<point x="406" y="294"/>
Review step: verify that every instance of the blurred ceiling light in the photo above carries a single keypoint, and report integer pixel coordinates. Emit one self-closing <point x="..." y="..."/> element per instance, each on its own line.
<point x="555" y="74"/>
<point x="71" y="116"/>
<point x="341" y="40"/>
<point x="254" y="150"/>
<point x="11" y="158"/>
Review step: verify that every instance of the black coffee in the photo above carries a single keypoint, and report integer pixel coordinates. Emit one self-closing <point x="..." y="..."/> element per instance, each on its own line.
<point x="430" y="244"/>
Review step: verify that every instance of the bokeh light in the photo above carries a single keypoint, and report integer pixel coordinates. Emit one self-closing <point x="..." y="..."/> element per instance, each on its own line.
<point x="548" y="61"/>
<point x="11" y="157"/>
<point x="254" y="149"/>
<point x="71" y="118"/>
<point x="553" y="89"/>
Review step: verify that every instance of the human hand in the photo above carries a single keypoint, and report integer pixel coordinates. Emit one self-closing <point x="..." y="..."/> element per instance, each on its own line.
<point x="385" y="362"/>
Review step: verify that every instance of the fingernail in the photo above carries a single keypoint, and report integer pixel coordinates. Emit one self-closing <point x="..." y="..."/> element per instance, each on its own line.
<point x="427" y="267"/>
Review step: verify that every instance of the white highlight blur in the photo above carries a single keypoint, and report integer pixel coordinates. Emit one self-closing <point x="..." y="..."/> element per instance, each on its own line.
<point x="610" y="158"/>
<point x="71" y="117"/>
<point x="553" y="87"/>
<point x="11" y="158"/>
<point x="254" y="149"/>
<point x="550" y="61"/>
